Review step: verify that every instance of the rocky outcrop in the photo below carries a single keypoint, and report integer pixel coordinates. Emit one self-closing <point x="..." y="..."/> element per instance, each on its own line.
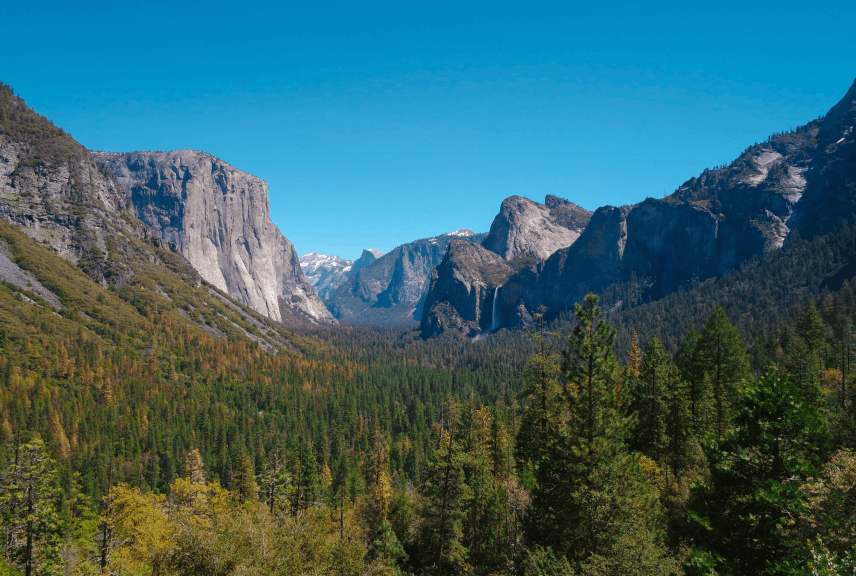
<point x="327" y="273"/>
<point x="567" y="214"/>
<point x="830" y="196"/>
<point x="463" y="290"/>
<point x="526" y="228"/>
<point x="391" y="290"/>
<point x="218" y="217"/>
<point x="52" y="189"/>
<point x="368" y="256"/>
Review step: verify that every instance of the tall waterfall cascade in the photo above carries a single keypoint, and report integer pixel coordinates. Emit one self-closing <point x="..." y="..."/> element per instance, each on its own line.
<point x="493" y="318"/>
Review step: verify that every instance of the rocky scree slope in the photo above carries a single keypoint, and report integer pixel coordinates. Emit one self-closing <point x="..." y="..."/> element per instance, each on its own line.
<point x="391" y="290"/>
<point x="326" y="273"/>
<point x="711" y="224"/>
<point x="67" y="224"/>
<point x="218" y="217"/>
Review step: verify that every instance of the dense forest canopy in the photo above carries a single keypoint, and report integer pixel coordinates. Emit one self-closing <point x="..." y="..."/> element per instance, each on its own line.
<point x="163" y="450"/>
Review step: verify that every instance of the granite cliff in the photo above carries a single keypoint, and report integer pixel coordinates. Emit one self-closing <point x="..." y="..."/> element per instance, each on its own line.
<point x="218" y="217"/>
<point x="463" y="290"/>
<point x="69" y="239"/>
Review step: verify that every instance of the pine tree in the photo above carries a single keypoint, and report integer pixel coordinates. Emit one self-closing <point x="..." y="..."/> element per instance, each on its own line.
<point x="691" y="365"/>
<point x="590" y="502"/>
<point x="804" y="369"/>
<point x="446" y="496"/>
<point x="29" y="497"/>
<point x="542" y="390"/>
<point x="246" y="487"/>
<point x="726" y="364"/>
<point x="634" y="359"/>
<point x="275" y="481"/>
<point x="656" y="376"/>
<point x="194" y="468"/>
<point x="812" y="329"/>
<point x="376" y="504"/>
<point x="756" y="471"/>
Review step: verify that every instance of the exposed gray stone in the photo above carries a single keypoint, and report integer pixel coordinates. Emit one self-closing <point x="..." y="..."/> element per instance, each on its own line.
<point x="218" y="217"/>
<point x="463" y="289"/>
<point x="526" y="228"/>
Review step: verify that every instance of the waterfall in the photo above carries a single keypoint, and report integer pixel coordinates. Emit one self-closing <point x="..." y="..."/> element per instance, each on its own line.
<point x="493" y="318"/>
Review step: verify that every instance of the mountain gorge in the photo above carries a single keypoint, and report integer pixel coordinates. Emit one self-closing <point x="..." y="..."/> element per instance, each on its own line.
<point x="156" y="417"/>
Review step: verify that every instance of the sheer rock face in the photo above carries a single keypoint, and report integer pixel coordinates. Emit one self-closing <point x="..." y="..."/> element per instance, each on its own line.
<point x="218" y="217"/>
<point x="668" y="242"/>
<point x="327" y="273"/>
<point x="392" y="289"/>
<point x="526" y="228"/>
<point x="462" y="290"/>
<point x="830" y="196"/>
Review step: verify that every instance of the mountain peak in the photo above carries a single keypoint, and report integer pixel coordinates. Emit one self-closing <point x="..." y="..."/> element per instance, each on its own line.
<point x="525" y="228"/>
<point x="462" y="233"/>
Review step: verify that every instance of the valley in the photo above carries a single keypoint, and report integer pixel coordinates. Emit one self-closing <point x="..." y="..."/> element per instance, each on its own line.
<point x="657" y="388"/>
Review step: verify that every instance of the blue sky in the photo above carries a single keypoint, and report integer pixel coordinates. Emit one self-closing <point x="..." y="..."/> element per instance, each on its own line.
<point x="379" y="123"/>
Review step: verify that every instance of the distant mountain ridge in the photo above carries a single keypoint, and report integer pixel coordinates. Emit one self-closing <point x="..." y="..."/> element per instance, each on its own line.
<point x="391" y="290"/>
<point x="327" y="273"/>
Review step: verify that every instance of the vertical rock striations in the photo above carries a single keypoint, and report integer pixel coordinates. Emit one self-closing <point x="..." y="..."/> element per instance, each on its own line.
<point x="218" y="217"/>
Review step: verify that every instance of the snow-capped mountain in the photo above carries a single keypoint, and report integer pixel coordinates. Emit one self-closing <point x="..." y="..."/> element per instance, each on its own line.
<point x="327" y="273"/>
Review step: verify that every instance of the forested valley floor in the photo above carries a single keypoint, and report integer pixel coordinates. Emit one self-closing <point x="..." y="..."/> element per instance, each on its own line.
<point x="711" y="431"/>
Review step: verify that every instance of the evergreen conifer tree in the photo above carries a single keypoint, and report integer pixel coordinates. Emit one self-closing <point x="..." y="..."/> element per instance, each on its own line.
<point x="726" y="364"/>
<point x="756" y="471"/>
<point x="590" y="502"/>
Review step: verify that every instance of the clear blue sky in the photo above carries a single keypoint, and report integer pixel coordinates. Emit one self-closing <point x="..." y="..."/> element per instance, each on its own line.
<point x="379" y="123"/>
